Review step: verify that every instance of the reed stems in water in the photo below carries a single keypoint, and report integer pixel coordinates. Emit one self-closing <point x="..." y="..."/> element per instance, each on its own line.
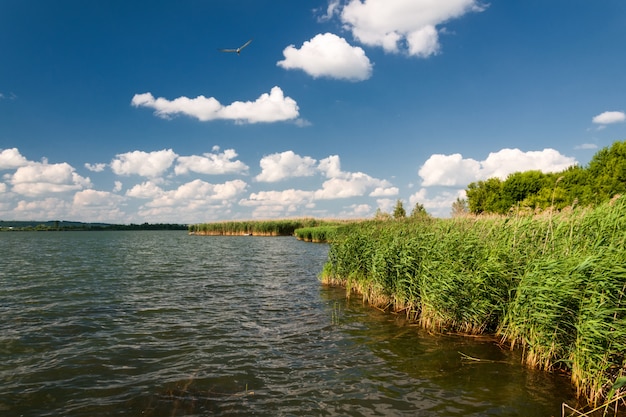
<point x="553" y="285"/>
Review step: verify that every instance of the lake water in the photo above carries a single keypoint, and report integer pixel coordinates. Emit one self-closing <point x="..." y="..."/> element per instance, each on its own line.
<point x="166" y="324"/>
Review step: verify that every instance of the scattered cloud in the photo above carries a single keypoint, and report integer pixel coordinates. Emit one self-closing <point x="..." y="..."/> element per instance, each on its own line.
<point x="436" y="202"/>
<point x="456" y="171"/>
<point x="11" y="159"/>
<point x="331" y="10"/>
<point x="328" y="55"/>
<point x="37" y="179"/>
<point x="339" y="184"/>
<point x="408" y="26"/>
<point x="211" y="164"/>
<point x="95" y="167"/>
<point x="280" y="166"/>
<point x="272" y="107"/>
<point x="609" y="117"/>
<point x="145" y="164"/>
<point x="41" y="190"/>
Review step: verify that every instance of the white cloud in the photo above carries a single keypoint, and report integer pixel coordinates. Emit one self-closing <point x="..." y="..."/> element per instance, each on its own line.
<point x="507" y="161"/>
<point x="357" y="211"/>
<point x="339" y="185"/>
<point x="455" y="171"/>
<point x="38" y="179"/>
<point x="211" y="163"/>
<point x="95" y="167"/>
<point x="146" y="189"/>
<point x="280" y="166"/>
<point x="609" y="117"/>
<point x="439" y="204"/>
<point x="117" y="187"/>
<point x="146" y="164"/>
<point x="448" y="170"/>
<point x="386" y="205"/>
<point x="11" y="159"/>
<point x="384" y="192"/>
<point x="350" y="184"/>
<point x="331" y="10"/>
<point x="328" y="55"/>
<point x="47" y="208"/>
<point x="282" y="198"/>
<point x="272" y="107"/>
<point x="198" y="190"/>
<point x="331" y="166"/>
<point x="387" y="23"/>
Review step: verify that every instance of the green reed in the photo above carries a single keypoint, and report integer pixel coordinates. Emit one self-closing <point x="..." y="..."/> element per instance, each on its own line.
<point x="284" y="227"/>
<point x="554" y="284"/>
<point x="317" y="234"/>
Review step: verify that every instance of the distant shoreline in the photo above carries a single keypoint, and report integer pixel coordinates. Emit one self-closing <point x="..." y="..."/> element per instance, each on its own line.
<point x="65" y="226"/>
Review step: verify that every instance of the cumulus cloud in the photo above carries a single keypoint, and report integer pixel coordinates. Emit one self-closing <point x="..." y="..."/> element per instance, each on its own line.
<point x="145" y="164"/>
<point x="198" y="191"/>
<point x="11" y="159"/>
<point x="438" y="203"/>
<point x="609" y="117"/>
<point x="351" y="184"/>
<point x="409" y="25"/>
<point x="280" y="166"/>
<point x="328" y="55"/>
<point x="147" y="189"/>
<point x="338" y="185"/>
<point x="211" y="164"/>
<point x="448" y="170"/>
<point x="38" y="179"/>
<point x="456" y="171"/>
<point x="272" y="107"/>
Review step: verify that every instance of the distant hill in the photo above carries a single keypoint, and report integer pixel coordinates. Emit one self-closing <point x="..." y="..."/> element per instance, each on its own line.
<point x="63" y="225"/>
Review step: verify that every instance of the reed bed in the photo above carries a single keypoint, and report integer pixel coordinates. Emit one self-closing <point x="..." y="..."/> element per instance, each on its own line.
<point x="553" y="285"/>
<point x="317" y="234"/>
<point x="284" y="227"/>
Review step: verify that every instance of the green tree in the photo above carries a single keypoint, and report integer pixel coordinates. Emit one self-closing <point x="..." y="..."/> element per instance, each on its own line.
<point x="381" y="215"/>
<point x="459" y="207"/>
<point x="484" y="196"/>
<point x="419" y="211"/>
<point x="399" y="212"/>
<point x="608" y="171"/>
<point x="520" y="185"/>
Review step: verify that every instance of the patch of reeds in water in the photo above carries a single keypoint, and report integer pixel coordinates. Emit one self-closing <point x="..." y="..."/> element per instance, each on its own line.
<point x="283" y="227"/>
<point x="317" y="234"/>
<point x="554" y="285"/>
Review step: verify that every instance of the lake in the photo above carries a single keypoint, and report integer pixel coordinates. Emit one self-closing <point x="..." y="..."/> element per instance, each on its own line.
<point x="149" y="323"/>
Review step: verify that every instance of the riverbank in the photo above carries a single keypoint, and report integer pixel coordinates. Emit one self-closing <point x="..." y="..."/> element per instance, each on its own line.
<point x="554" y="284"/>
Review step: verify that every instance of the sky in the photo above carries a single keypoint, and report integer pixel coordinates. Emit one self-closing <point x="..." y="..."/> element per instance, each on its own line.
<point x="130" y="112"/>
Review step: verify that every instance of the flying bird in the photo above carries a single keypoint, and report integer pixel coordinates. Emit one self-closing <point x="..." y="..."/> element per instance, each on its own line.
<point x="238" y="50"/>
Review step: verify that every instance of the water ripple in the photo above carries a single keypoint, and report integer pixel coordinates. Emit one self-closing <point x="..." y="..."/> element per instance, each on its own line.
<point x="162" y="324"/>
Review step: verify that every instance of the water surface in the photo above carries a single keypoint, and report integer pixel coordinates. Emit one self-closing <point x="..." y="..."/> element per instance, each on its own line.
<point x="166" y="324"/>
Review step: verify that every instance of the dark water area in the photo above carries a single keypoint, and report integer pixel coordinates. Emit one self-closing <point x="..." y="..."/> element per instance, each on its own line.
<point x="166" y="324"/>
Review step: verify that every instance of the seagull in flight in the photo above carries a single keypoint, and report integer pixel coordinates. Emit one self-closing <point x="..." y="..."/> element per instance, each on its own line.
<point x="238" y="50"/>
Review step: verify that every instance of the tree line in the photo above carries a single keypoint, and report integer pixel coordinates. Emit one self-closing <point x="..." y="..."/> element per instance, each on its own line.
<point x="602" y="179"/>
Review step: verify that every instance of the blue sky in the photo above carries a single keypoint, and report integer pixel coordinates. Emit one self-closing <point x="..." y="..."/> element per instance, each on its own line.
<point x="127" y="112"/>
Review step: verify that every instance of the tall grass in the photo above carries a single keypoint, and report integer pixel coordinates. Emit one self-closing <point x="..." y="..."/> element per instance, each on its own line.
<point x="285" y="227"/>
<point x="317" y="234"/>
<point x="554" y="285"/>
